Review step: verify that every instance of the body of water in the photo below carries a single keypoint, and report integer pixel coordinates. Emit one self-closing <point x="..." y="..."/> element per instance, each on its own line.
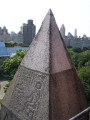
<point x="10" y="50"/>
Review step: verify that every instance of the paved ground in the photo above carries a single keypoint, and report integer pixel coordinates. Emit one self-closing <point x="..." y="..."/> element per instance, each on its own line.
<point x="2" y="83"/>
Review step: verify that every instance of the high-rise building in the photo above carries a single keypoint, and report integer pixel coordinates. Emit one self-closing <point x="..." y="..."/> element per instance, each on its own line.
<point x="62" y="30"/>
<point x="29" y="31"/>
<point x="4" y="35"/>
<point x="75" y="33"/>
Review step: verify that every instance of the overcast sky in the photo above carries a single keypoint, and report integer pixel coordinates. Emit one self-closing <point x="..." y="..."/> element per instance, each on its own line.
<point x="72" y="13"/>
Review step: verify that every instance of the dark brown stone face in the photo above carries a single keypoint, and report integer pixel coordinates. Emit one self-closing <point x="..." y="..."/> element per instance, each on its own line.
<point x="67" y="97"/>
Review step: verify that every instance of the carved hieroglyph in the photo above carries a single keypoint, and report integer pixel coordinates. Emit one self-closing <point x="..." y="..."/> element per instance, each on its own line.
<point x="30" y="98"/>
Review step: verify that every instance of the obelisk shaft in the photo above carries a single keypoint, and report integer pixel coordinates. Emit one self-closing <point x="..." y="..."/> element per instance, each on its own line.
<point x="46" y="85"/>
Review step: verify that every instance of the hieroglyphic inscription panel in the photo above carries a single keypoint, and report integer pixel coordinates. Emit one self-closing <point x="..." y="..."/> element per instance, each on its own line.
<point x="30" y="97"/>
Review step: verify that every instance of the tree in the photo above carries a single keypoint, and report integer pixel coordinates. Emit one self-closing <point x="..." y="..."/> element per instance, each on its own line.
<point x="86" y="48"/>
<point x="74" y="57"/>
<point x="77" y="49"/>
<point x="84" y="75"/>
<point x="10" y="65"/>
<point x="82" y="63"/>
<point x="83" y="58"/>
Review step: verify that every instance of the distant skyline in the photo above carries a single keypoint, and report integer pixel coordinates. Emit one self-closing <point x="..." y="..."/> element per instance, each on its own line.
<point x="74" y="14"/>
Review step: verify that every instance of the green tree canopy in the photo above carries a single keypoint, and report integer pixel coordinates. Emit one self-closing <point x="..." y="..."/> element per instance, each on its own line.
<point x="10" y="65"/>
<point x="84" y="75"/>
<point x="81" y="61"/>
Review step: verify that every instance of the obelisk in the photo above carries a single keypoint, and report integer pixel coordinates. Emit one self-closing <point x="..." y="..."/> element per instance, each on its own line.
<point x="46" y="85"/>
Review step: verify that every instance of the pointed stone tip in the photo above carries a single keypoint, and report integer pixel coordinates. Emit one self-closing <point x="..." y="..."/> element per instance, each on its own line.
<point x="50" y="12"/>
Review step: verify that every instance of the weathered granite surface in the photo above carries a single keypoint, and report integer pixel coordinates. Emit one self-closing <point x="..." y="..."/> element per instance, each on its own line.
<point x="37" y="57"/>
<point x="46" y="85"/>
<point x="28" y="95"/>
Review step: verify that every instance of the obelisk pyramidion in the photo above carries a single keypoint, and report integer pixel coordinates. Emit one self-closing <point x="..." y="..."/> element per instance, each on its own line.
<point x="46" y="85"/>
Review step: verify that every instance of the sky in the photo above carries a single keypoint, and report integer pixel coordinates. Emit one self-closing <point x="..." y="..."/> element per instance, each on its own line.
<point x="74" y="14"/>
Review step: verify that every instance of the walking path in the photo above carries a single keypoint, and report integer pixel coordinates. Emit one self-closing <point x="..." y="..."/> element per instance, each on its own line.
<point x="2" y="84"/>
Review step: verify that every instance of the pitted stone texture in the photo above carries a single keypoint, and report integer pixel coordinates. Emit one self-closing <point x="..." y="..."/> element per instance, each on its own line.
<point x="37" y="57"/>
<point x="29" y="95"/>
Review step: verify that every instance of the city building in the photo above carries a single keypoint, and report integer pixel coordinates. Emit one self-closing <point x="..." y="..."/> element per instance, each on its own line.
<point x="29" y="31"/>
<point x="25" y="35"/>
<point x="75" y="33"/>
<point x="4" y="35"/>
<point x="74" y="40"/>
<point x="16" y="37"/>
<point x="62" y="30"/>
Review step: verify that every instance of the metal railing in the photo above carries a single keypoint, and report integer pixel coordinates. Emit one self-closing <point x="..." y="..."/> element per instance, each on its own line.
<point x="80" y="114"/>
